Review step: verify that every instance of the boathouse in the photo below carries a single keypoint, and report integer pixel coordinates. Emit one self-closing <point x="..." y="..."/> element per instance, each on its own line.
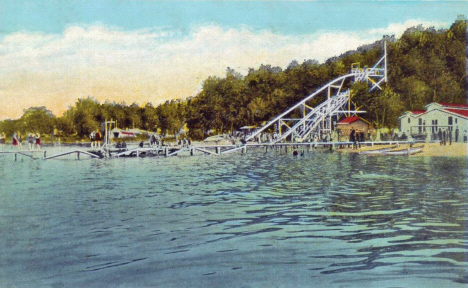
<point x="444" y="117"/>
<point x="348" y="124"/>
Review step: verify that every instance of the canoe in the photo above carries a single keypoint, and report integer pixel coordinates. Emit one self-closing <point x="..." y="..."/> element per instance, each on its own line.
<point x="377" y="151"/>
<point x="408" y="151"/>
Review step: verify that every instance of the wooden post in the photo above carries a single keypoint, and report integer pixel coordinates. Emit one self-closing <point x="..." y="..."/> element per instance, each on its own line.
<point x="218" y="150"/>
<point x="77" y="155"/>
<point x="45" y="154"/>
<point x="16" y="156"/>
<point x="138" y="152"/>
<point x="244" y="149"/>
<point x="266" y="149"/>
<point x="166" y="151"/>
<point x="191" y="151"/>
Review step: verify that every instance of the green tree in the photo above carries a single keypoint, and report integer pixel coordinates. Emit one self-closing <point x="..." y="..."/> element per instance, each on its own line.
<point x="38" y="119"/>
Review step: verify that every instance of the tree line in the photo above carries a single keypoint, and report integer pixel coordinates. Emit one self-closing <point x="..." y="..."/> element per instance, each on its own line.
<point x="425" y="65"/>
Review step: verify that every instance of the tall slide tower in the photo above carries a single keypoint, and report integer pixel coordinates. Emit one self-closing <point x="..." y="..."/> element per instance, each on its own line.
<point x="319" y="118"/>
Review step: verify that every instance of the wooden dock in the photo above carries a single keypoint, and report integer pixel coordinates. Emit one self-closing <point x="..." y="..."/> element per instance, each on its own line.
<point x="214" y="150"/>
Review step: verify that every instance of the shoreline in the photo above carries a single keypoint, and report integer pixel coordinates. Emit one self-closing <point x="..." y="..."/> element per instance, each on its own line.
<point x="429" y="150"/>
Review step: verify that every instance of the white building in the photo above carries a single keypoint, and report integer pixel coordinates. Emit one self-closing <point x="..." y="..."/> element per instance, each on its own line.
<point x="435" y="120"/>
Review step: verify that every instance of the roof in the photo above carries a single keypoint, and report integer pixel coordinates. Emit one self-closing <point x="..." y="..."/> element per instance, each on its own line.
<point x="349" y="120"/>
<point x="457" y="105"/>
<point x="459" y="112"/>
<point x="418" y="111"/>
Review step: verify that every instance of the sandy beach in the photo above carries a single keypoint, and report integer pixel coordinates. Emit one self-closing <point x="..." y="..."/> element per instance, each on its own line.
<point x="435" y="149"/>
<point x="430" y="149"/>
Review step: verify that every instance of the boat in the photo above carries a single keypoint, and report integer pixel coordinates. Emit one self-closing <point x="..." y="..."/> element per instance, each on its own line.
<point x="377" y="151"/>
<point x="407" y="151"/>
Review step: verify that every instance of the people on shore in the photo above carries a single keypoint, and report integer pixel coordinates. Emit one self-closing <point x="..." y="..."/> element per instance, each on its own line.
<point x="352" y="138"/>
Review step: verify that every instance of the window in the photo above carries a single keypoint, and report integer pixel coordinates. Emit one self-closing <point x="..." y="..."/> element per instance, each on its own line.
<point x="409" y="120"/>
<point x="420" y="125"/>
<point x="450" y="120"/>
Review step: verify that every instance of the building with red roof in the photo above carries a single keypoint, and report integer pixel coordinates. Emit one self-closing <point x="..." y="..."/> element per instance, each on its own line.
<point x="348" y="124"/>
<point x="451" y="118"/>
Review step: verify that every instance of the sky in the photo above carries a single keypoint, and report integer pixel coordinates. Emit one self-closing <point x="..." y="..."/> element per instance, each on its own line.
<point x="53" y="52"/>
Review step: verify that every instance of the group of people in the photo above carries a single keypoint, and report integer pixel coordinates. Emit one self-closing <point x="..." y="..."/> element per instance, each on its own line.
<point x="446" y="135"/>
<point x="96" y="138"/>
<point x="34" y="141"/>
<point x="185" y="142"/>
<point x="357" y="137"/>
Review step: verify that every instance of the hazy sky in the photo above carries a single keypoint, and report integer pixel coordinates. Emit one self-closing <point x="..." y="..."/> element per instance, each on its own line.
<point x="53" y="52"/>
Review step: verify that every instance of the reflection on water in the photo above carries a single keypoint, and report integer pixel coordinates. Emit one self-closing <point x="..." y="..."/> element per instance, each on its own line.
<point x="255" y="220"/>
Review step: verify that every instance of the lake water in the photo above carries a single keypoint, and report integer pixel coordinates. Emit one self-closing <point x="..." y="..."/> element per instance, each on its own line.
<point x="253" y="220"/>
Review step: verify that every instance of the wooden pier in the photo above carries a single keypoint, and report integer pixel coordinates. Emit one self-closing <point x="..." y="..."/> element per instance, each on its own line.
<point x="214" y="150"/>
<point x="76" y="152"/>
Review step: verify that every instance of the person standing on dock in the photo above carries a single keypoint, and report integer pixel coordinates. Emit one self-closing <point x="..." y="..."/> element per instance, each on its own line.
<point x="352" y="138"/>
<point x="15" y="140"/>
<point x="439" y="133"/>
<point x="92" y="137"/>
<point x="2" y="141"/>
<point x="37" y="136"/>
<point x="31" y="141"/>
<point x="98" y="139"/>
